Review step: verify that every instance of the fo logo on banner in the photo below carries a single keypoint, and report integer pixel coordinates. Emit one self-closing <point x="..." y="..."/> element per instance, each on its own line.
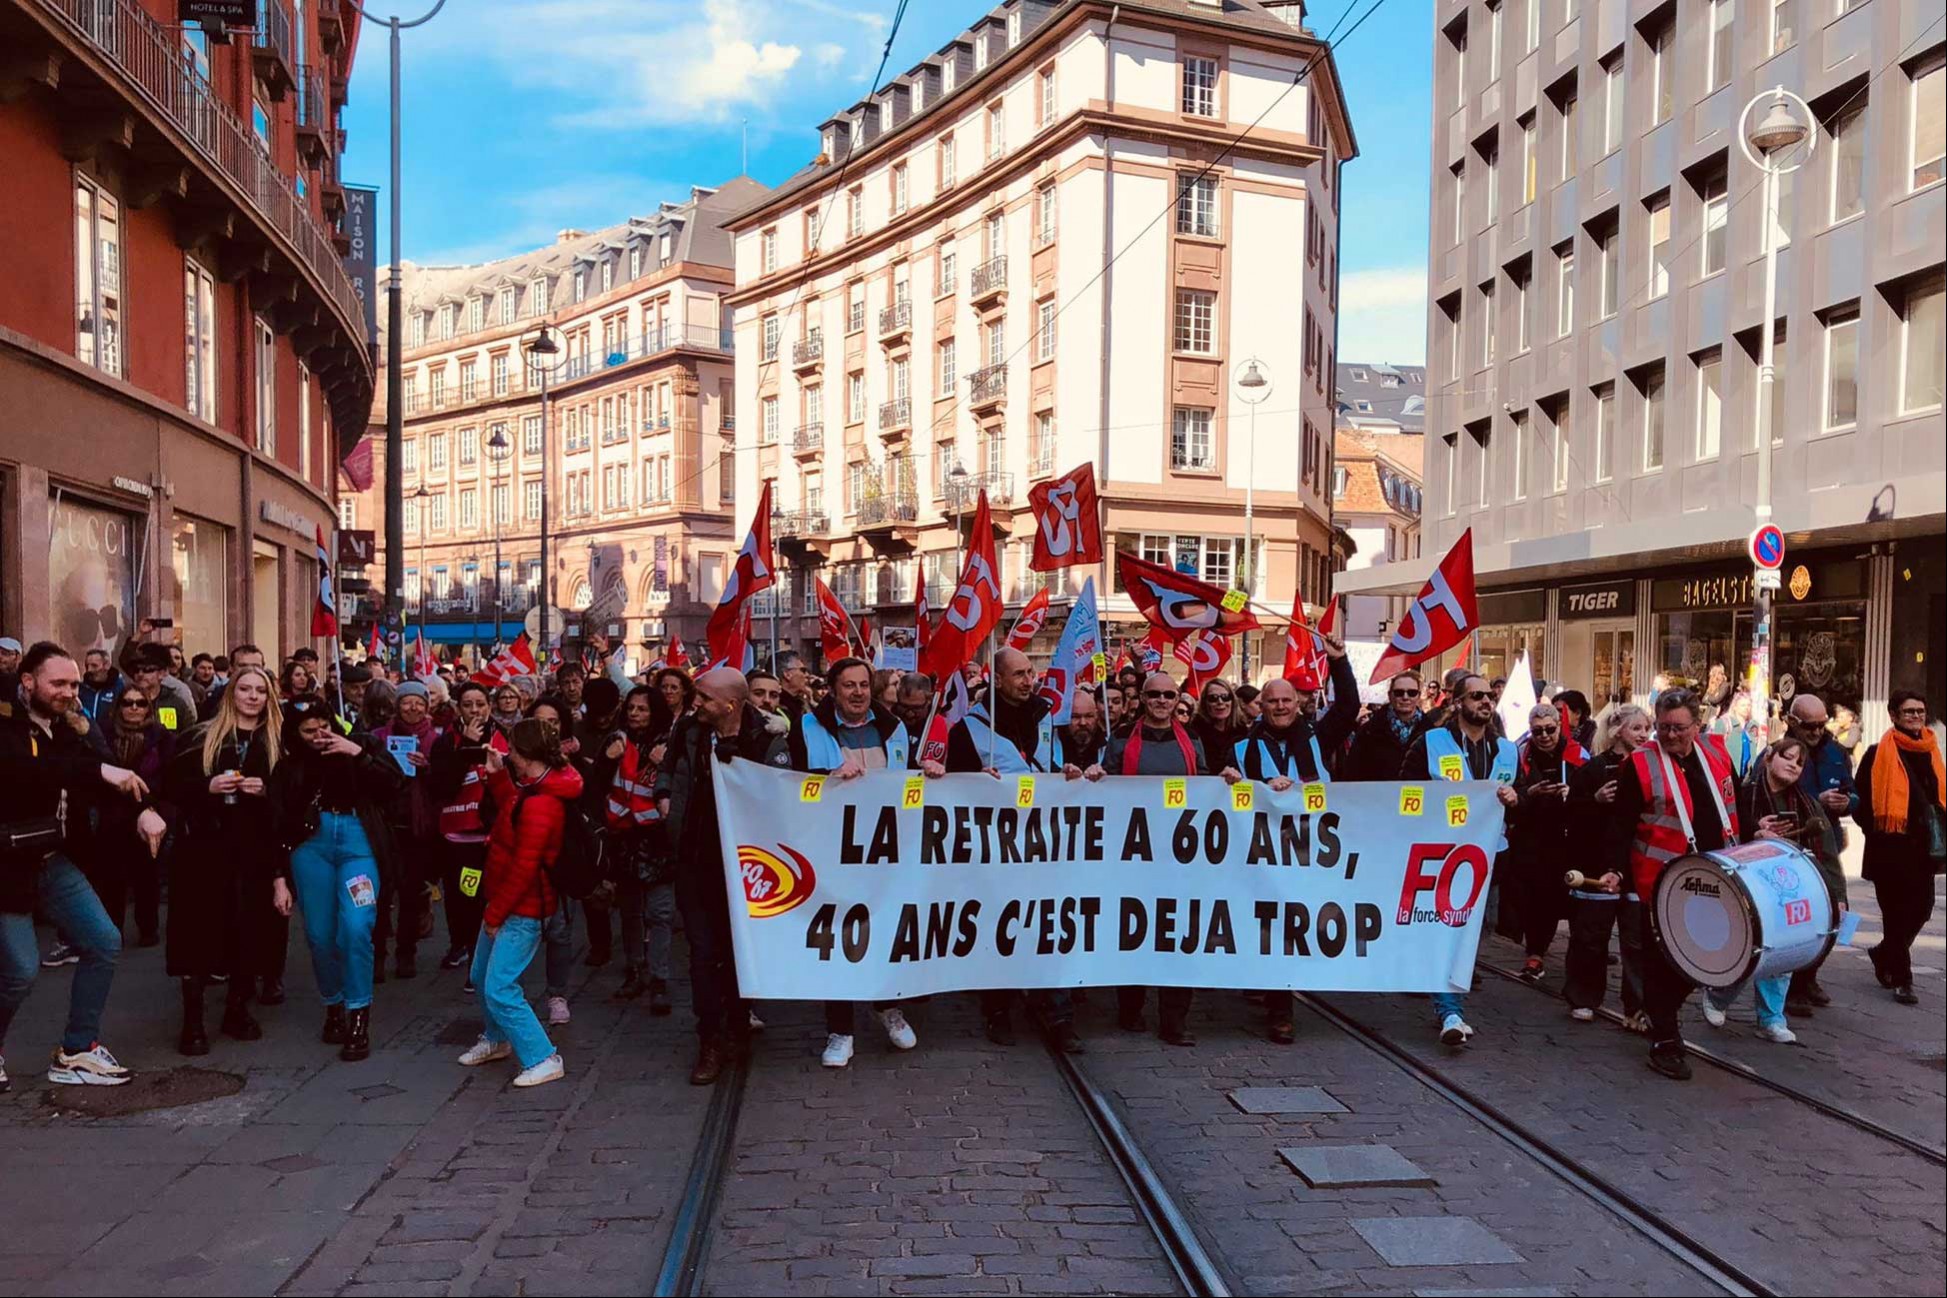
<point x="1445" y="909"/>
<point x="774" y="883"/>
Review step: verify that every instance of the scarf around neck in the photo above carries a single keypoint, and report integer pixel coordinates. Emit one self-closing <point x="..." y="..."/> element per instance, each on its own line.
<point x="1892" y="791"/>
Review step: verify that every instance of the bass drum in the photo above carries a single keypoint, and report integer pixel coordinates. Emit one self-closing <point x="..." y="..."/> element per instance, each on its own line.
<point x="1757" y="910"/>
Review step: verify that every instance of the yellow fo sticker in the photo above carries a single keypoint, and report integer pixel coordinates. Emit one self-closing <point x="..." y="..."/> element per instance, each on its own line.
<point x="1457" y="810"/>
<point x="1314" y="798"/>
<point x="915" y="795"/>
<point x="813" y="789"/>
<point x="1452" y="767"/>
<point x="1101" y="666"/>
<point x="1234" y="600"/>
<point x="1176" y="794"/>
<point x="1412" y="800"/>
<point x="167" y="716"/>
<point x="1242" y="795"/>
<point x="1024" y="792"/>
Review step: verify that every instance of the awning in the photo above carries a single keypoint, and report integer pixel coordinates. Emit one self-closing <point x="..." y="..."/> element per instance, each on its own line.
<point x="463" y="632"/>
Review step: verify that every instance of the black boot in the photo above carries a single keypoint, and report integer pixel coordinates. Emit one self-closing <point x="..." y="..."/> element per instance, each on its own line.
<point x="238" y="1023"/>
<point x="194" y="1040"/>
<point x="658" y="997"/>
<point x="272" y="993"/>
<point x="632" y="984"/>
<point x="408" y="966"/>
<point x="334" y="1026"/>
<point x="358" y="1035"/>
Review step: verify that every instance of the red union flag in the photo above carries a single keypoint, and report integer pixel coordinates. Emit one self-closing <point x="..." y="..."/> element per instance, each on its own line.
<point x="922" y="617"/>
<point x="324" y="613"/>
<point x="1067" y="523"/>
<point x="1021" y="635"/>
<point x="517" y="659"/>
<point x="835" y="630"/>
<point x="975" y="609"/>
<point x="1304" y="649"/>
<point x="1177" y="604"/>
<point x="677" y="656"/>
<point x="1440" y="616"/>
<point x="1205" y="653"/>
<point x="752" y="572"/>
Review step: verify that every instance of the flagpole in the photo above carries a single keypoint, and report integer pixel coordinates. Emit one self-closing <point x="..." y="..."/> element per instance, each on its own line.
<point x="993" y="699"/>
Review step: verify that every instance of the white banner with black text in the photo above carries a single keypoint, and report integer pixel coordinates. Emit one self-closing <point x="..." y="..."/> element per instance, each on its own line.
<point x="893" y="885"/>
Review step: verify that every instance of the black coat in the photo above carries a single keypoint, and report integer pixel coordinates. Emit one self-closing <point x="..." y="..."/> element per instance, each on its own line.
<point x="35" y="769"/>
<point x="222" y="865"/>
<point x="1893" y="856"/>
<point x="1377" y="753"/>
<point x="379" y="782"/>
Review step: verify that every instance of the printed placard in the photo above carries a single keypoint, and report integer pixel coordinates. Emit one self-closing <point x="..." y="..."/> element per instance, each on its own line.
<point x="1243" y="795"/>
<point x="1412" y="800"/>
<point x="1024" y="792"/>
<point x="1457" y="810"/>
<point x="915" y="794"/>
<point x="1235" y="600"/>
<point x="1175" y="793"/>
<point x="1314" y="799"/>
<point x="813" y="789"/>
<point x="402" y="747"/>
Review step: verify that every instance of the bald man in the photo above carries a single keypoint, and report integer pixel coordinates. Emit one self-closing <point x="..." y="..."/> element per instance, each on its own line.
<point x="1008" y="732"/>
<point x="726" y="728"/>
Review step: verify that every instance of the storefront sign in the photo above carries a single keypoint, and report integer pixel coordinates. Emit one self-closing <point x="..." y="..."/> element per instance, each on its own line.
<point x="222" y="13"/>
<point x="134" y="487"/>
<point x="285" y="517"/>
<point x="1839" y="576"/>
<point x="1719" y="590"/>
<point x="361" y="263"/>
<point x="1513" y="607"/>
<point x="356" y="547"/>
<point x="1599" y="599"/>
<point x="1801" y="581"/>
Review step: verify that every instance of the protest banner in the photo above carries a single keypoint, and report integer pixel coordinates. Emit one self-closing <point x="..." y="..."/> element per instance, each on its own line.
<point x="893" y="885"/>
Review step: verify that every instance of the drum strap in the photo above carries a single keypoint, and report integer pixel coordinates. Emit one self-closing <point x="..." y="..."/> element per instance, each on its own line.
<point x="1675" y="783"/>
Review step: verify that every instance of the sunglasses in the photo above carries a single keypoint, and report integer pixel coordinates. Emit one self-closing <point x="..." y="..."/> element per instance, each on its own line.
<point x="1475" y="696"/>
<point x="1406" y="694"/>
<point x="1911" y="712"/>
<point x="1159" y="694"/>
<point x="138" y="704"/>
<point x="1546" y="730"/>
<point x="1217" y="698"/>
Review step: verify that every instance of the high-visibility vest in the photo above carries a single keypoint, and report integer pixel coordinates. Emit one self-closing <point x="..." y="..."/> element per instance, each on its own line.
<point x="1007" y="759"/>
<point x="1447" y="760"/>
<point x="460" y="820"/>
<point x="632" y="795"/>
<point x="1659" y="836"/>
<point x="823" y="752"/>
<point x="1268" y="761"/>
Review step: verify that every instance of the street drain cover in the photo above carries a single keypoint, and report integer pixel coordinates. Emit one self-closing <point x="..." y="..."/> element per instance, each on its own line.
<point x="168" y="1088"/>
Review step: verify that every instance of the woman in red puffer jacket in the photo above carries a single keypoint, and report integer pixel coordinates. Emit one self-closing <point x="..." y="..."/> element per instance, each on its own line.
<point x="532" y="789"/>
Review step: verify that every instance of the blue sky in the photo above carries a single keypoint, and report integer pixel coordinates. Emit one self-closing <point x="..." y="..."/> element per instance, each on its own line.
<point x="525" y="116"/>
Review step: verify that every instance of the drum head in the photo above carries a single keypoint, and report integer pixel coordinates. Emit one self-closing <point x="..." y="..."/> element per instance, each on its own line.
<point x="1704" y="921"/>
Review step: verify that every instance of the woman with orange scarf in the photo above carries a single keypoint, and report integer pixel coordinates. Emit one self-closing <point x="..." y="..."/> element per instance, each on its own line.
<point x="1901" y="809"/>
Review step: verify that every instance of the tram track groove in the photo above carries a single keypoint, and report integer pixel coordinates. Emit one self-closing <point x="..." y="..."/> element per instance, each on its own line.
<point x="694" y="1222"/>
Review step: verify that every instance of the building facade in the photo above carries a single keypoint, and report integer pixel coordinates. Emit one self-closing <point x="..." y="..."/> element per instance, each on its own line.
<point x="629" y="457"/>
<point x="1376" y="502"/>
<point x="1030" y="251"/>
<point x="1596" y="284"/>
<point x="181" y="346"/>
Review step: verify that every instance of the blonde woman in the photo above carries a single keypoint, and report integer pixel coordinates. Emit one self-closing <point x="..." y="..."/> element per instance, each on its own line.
<point x="223" y="919"/>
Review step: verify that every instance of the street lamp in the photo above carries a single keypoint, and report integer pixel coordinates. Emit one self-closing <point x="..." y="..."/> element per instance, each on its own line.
<point x="1780" y="129"/>
<point x="498" y="447"/>
<point x="956" y="482"/>
<point x="419" y="499"/>
<point x="538" y="351"/>
<point x="1253" y="386"/>
<point x="395" y="434"/>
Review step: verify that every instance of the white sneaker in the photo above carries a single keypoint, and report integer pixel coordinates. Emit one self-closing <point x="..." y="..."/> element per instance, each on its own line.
<point x="1713" y="1015"/>
<point x="1454" y="1031"/>
<point x="756" y="1024"/>
<point x="1778" y="1034"/>
<point x="91" y="1067"/>
<point x="484" y="1051"/>
<point x="1582" y="1014"/>
<point x="557" y="1015"/>
<point x="898" y="1031"/>
<point x="838" y="1050"/>
<point x="548" y="1070"/>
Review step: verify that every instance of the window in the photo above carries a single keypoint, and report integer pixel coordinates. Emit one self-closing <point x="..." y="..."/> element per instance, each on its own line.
<point x="996" y="131"/>
<point x="199" y="341"/>
<point x="409" y="457"/>
<point x="949" y="162"/>
<point x="1451" y="467"/>
<point x="1483" y="444"/>
<point x="468" y="382"/>
<point x="1518" y="435"/>
<point x="304" y="421"/>
<point x="1922" y="338"/>
<point x="854" y="398"/>
<point x="1044" y="347"/>
<point x="1927" y="150"/>
<point x="771" y="336"/>
<point x="855" y="307"/>
<point x="949" y="74"/>
<point x="901" y="378"/>
<point x="1523" y="304"/>
<point x="997" y="341"/>
<point x="436" y="453"/>
<point x="497" y="366"/>
<point x="769" y="424"/>
<point x="439" y="514"/>
<point x="1662" y="75"/>
<point x="1848" y="153"/>
<point x="1488" y="323"/>
<point x="476" y="314"/>
<point x="1528" y="168"/>
<point x="1200" y="87"/>
<point x="996" y="233"/>
<point x="1044" y="211"/>
<point x="1564" y="290"/>
<point x="1605" y="431"/>
<point x="1717" y="219"/>
<point x="1710" y="406"/>
<point x="347" y="512"/>
<point x="1568" y="137"/>
<point x="980" y="51"/>
<point x="608" y="274"/>
<point x="814" y="407"/>
<point x="900" y="189"/>
<point x="581" y="284"/>
<point x="437" y="376"/>
<point x="1659" y="246"/>
<point x="1046" y="115"/>
<point x="1013" y="28"/>
<point x="1558" y="450"/>
<point x="854" y="214"/>
<point x="1842" y="370"/>
<point x="949" y="367"/>
<point x="1451" y="310"/>
<point x="1653" y="420"/>
<point x="1190" y="441"/>
<point x="1717" y="63"/>
<point x="469" y="509"/>
<point x="1532" y="36"/>
<point x="767" y="243"/>
<point x="1459" y="40"/>
<point x="1196" y="207"/>
<point x="530" y="501"/>
<point x="98" y="276"/>
<point x="1195" y="313"/>
<point x="1612" y="105"/>
<point x="266" y="388"/>
<point x="1493" y="42"/>
<point x="949" y="271"/>
<point x="469" y="446"/>
<point x="531" y="435"/>
<point x="1611" y="272"/>
<point x="1459" y="202"/>
<point x="1493" y="161"/>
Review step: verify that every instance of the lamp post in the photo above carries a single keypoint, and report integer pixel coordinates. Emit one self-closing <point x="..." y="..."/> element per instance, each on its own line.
<point x="956" y="482"/>
<point x="1780" y="129"/>
<point x="538" y="351"/>
<point x="1253" y="386"/>
<point x="419" y="499"/>
<point x="395" y="435"/>
<point x="498" y="447"/>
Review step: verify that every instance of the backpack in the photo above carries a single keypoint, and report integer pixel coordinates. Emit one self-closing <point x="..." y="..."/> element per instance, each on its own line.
<point x="577" y="871"/>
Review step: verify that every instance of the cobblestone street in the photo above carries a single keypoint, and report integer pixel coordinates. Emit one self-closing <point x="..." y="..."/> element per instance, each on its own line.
<point x="964" y="1168"/>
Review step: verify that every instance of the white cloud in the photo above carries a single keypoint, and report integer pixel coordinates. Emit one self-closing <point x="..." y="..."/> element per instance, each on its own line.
<point x="532" y="218"/>
<point x="1382" y="314"/>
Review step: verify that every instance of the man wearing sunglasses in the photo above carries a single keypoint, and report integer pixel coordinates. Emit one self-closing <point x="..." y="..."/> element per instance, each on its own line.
<point x="1468" y="747"/>
<point x="1379" y="748"/>
<point x="1540" y="840"/>
<point x="1828" y="775"/>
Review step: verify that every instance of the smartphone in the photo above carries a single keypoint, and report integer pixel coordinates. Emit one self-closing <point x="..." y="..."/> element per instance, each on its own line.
<point x="160" y="622"/>
<point x="1789" y="819"/>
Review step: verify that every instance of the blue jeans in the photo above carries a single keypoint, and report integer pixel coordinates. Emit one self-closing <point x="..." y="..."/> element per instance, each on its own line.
<point x="1445" y="1003"/>
<point x="337" y="885"/>
<point x="70" y="903"/>
<point x="559" y="932"/>
<point x="1769" y="993"/>
<point x="499" y="960"/>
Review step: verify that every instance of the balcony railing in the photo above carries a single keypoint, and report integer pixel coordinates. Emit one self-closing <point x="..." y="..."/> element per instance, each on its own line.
<point x="877" y="511"/>
<point x="895" y="319"/>
<point x="808" y="350"/>
<point x="650" y="343"/>
<point x="998" y="486"/>
<point x="989" y="385"/>
<point x="797" y="524"/>
<point x="896" y="414"/>
<point x="806" y="438"/>
<point x="150" y="54"/>
<point x="990" y="277"/>
<point x="272" y="46"/>
<point x="311" y="101"/>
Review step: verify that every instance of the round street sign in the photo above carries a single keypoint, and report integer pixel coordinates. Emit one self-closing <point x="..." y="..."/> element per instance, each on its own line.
<point x="1768" y="547"/>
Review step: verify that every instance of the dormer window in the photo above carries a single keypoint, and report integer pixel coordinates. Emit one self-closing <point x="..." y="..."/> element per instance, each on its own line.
<point x="948" y="71"/>
<point x="980" y="51"/>
<point x="1014" y="29"/>
<point x="885" y="116"/>
<point x="830" y="140"/>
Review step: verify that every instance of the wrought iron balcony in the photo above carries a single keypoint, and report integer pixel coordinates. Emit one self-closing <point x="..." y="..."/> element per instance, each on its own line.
<point x="881" y="510"/>
<point x="271" y="48"/>
<point x="799" y="524"/>
<point x="989" y="386"/>
<point x="990" y="279"/>
<point x="313" y="122"/>
<point x="895" y="415"/>
<point x="896" y="320"/>
<point x="809" y="351"/>
<point x="807" y="439"/>
<point x="965" y="496"/>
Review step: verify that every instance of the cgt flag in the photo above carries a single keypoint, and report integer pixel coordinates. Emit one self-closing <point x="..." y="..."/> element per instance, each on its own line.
<point x="1177" y="604"/>
<point x="1021" y="634"/>
<point x="835" y="630"/>
<point x="1440" y="616"/>
<point x="975" y="610"/>
<point x="1067" y="521"/>
<point x="1304" y="648"/>
<point x="516" y="659"/>
<point x="922" y="616"/>
<point x="324" y="613"/>
<point x="1206" y="654"/>
<point x="727" y="630"/>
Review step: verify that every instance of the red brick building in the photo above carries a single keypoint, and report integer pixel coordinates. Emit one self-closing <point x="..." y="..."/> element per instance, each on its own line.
<point x="181" y="347"/>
